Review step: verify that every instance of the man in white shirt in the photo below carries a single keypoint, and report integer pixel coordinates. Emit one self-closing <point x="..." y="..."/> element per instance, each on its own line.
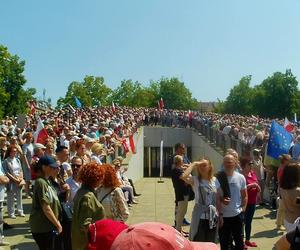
<point x="232" y="211"/>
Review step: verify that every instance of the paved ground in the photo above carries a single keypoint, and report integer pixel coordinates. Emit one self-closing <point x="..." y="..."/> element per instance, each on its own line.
<point x="155" y="204"/>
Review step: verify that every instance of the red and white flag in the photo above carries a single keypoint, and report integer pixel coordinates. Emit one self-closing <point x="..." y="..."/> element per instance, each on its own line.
<point x="40" y="135"/>
<point x="113" y="107"/>
<point x="288" y="125"/>
<point x="125" y="146"/>
<point x="161" y="104"/>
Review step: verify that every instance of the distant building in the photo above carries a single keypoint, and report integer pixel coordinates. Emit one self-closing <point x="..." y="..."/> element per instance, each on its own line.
<point x="207" y="106"/>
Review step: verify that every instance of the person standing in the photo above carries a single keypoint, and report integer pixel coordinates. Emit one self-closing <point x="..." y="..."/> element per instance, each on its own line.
<point x="86" y="209"/>
<point x="27" y="160"/>
<point x="231" y="216"/>
<point x="13" y="169"/>
<point x="290" y="194"/>
<point x="111" y="196"/>
<point x="46" y="210"/>
<point x="259" y="169"/>
<point x="73" y="181"/>
<point x="183" y="192"/>
<point x="284" y="161"/>
<point x="205" y="213"/>
<point x="180" y="150"/>
<point x="3" y="182"/>
<point x="253" y="189"/>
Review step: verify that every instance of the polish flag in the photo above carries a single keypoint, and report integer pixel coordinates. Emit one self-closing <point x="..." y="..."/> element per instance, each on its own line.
<point x="113" y="107"/>
<point x="125" y="146"/>
<point x="288" y="125"/>
<point x="131" y="143"/>
<point x="161" y="104"/>
<point x="40" y="135"/>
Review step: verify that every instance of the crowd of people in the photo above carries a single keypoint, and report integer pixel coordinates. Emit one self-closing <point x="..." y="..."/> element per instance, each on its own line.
<point x="75" y="176"/>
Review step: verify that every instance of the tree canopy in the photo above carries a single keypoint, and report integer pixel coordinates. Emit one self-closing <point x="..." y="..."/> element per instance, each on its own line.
<point x="277" y="96"/>
<point x="13" y="96"/>
<point x="93" y="91"/>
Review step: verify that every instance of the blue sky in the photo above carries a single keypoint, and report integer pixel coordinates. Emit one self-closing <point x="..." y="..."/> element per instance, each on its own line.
<point x="209" y="44"/>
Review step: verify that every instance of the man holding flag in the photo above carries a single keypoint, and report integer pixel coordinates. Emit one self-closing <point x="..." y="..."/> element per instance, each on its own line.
<point x="279" y="143"/>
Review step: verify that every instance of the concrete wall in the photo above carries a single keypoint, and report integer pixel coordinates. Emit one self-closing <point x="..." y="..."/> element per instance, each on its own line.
<point x="170" y="136"/>
<point x="136" y="161"/>
<point x="151" y="137"/>
<point x="200" y="148"/>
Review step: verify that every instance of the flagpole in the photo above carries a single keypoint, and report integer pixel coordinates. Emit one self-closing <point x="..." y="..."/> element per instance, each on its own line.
<point x="161" y="160"/>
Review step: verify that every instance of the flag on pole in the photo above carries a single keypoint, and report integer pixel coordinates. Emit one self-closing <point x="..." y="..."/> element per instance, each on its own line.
<point x="161" y="103"/>
<point x="279" y="141"/>
<point x="77" y="102"/>
<point x="40" y="135"/>
<point x="131" y="143"/>
<point x="288" y="125"/>
<point x="161" y="171"/>
<point x="113" y="108"/>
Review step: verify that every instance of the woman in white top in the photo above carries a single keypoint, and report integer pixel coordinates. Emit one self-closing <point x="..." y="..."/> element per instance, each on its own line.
<point x="205" y="215"/>
<point x="111" y="196"/>
<point x="13" y="169"/>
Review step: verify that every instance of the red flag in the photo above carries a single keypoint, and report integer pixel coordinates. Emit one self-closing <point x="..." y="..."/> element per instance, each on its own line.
<point x="288" y="125"/>
<point x="161" y="104"/>
<point x="131" y="143"/>
<point x="40" y="135"/>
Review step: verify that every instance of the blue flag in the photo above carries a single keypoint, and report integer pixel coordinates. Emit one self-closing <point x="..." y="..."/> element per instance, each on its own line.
<point x="279" y="141"/>
<point x="77" y="102"/>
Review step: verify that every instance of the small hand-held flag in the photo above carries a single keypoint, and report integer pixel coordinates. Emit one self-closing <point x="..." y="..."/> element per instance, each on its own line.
<point x="288" y="125"/>
<point x="40" y="135"/>
<point x="161" y="104"/>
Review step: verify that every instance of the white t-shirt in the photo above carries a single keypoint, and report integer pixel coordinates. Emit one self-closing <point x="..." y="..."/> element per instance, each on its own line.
<point x="237" y="182"/>
<point x="207" y="186"/>
<point x="74" y="186"/>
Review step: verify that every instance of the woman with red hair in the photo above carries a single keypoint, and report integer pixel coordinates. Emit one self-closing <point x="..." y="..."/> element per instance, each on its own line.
<point x="87" y="209"/>
<point x="111" y="195"/>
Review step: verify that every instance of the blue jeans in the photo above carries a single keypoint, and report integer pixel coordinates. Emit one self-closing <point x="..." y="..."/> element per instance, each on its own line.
<point x="249" y="213"/>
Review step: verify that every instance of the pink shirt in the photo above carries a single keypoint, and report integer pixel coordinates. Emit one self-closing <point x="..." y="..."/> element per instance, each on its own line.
<point x="252" y="191"/>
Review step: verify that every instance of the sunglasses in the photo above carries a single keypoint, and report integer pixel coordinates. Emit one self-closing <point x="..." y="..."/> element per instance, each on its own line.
<point x="76" y="165"/>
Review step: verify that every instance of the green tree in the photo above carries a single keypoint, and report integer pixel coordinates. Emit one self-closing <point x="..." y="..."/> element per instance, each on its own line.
<point x="91" y="92"/>
<point x="240" y="97"/>
<point x="176" y="95"/>
<point x="12" y="93"/>
<point x="277" y="96"/>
